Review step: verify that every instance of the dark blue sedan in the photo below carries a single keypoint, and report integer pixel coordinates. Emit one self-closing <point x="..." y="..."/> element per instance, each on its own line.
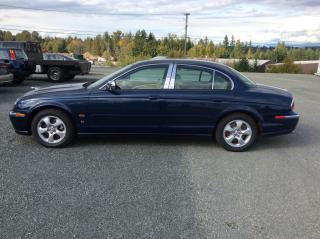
<point x="168" y="97"/>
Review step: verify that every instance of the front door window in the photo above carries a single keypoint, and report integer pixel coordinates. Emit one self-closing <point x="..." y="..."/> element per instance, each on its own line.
<point x="150" y="77"/>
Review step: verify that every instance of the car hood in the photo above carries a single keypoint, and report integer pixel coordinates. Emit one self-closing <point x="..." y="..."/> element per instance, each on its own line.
<point x="57" y="89"/>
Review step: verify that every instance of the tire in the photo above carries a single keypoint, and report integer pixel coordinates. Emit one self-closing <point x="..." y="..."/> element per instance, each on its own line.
<point x="17" y="79"/>
<point x="55" y="74"/>
<point x="236" y="132"/>
<point x="52" y="128"/>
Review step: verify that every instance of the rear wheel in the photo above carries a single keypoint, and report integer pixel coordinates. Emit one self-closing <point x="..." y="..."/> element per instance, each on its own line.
<point x="236" y="132"/>
<point x="18" y="79"/>
<point x="52" y="128"/>
<point x="55" y="74"/>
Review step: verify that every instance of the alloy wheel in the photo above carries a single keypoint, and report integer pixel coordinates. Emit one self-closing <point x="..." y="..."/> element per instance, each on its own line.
<point x="51" y="129"/>
<point x="237" y="133"/>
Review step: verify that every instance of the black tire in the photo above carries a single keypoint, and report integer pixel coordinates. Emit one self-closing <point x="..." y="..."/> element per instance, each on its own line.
<point x="220" y="137"/>
<point x="18" y="79"/>
<point x="55" y="74"/>
<point x="52" y="113"/>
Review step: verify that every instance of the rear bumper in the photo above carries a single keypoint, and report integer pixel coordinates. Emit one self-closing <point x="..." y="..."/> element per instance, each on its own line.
<point x="19" y="123"/>
<point x="283" y="124"/>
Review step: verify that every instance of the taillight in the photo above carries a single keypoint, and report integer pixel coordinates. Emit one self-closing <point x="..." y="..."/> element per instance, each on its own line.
<point x="12" y="55"/>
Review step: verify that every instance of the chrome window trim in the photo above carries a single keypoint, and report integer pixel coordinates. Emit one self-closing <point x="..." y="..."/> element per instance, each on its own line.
<point x="173" y="75"/>
<point x="133" y="69"/>
<point x="213" y="75"/>
<point x="168" y="77"/>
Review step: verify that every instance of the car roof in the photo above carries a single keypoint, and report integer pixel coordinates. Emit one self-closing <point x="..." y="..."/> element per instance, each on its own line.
<point x="203" y="63"/>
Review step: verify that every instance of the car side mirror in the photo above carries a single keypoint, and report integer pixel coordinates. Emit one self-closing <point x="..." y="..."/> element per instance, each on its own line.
<point x="111" y="86"/>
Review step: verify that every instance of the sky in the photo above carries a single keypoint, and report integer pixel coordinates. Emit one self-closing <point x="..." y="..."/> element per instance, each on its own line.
<point x="261" y="21"/>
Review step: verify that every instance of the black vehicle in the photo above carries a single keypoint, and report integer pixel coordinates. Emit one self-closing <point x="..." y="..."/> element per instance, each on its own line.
<point x="58" y="69"/>
<point x="65" y="67"/>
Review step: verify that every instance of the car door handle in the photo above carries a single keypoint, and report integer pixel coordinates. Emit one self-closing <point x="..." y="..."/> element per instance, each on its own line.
<point x="217" y="101"/>
<point x="153" y="97"/>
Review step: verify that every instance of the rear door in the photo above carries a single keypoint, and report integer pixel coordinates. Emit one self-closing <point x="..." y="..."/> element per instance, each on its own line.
<point x="194" y="99"/>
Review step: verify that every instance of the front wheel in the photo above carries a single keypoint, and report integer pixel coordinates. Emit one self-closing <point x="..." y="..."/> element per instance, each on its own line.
<point x="236" y="132"/>
<point x="52" y="128"/>
<point x="18" y="79"/>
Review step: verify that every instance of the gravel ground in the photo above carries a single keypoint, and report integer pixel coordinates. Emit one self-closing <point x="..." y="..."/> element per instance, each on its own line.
<point x="147" y="187"/>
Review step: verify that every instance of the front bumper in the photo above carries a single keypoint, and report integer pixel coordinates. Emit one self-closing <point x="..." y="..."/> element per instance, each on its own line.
<point x="281" y="124"/>
<point x="19" y="122"/>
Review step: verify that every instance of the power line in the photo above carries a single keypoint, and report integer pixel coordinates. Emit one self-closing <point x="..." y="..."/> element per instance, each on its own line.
<point x="59" y="31"/>
<point x="91" y="13"/>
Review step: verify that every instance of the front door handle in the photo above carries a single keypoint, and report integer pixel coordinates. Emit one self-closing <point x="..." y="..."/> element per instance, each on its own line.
<point x="217" y="101"/>
<point x="153" y="97"/>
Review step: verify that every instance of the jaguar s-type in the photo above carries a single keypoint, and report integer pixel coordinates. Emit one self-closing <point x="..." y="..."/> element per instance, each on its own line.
<point x="164" y="96"/>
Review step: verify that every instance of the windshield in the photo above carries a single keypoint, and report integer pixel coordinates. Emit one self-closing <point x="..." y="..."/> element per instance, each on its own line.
<point x="107" y="78"/>
<point x="242" y="77"/>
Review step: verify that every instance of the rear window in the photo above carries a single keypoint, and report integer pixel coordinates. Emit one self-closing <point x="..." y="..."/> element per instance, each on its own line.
<point x="20" y="54"/>
<point x="243" y="78"/>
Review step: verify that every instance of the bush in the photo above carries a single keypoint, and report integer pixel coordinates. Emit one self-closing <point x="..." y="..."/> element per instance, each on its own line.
<point x="286" y="67"/>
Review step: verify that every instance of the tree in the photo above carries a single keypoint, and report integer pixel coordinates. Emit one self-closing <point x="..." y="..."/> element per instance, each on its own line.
<point x="280" y="52"/>
<point x="226" y="42"/>
<point x="76" y="46"/>
<point x="237" y="52"/>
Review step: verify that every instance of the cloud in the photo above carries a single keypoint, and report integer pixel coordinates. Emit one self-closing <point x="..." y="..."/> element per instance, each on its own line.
<point x="259" y="20"/>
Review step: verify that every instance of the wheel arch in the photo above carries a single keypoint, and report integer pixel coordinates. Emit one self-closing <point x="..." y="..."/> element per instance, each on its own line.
<point x="39" y="108"/>
<point x="248" y="111"/>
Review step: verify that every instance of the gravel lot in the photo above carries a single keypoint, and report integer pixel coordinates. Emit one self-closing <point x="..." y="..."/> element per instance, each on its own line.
<point x="128" y="187"/>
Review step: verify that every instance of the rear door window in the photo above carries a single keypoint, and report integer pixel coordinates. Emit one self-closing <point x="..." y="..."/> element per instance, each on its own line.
<point x="193" y="78"/>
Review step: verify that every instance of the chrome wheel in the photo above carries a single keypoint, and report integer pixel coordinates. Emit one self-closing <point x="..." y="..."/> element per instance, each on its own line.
<point x="237" y="133"/>
<point x="51" y="129"/>
<point x="55" y="75"/>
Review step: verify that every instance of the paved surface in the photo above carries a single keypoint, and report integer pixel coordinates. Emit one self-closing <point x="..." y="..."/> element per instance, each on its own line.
<point x="162" y="187"/>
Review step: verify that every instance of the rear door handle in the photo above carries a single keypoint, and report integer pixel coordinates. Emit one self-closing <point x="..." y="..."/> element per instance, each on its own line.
<point x="217" y="101"/>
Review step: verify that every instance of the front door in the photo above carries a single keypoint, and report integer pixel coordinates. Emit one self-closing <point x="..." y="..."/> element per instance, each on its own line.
<point x="133" y="107"/>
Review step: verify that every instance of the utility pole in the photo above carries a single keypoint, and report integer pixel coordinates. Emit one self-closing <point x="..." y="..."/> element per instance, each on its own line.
<point x="186" y="35"/>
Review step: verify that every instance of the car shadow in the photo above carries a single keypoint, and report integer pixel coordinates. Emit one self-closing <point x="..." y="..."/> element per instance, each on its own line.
<point x="304" y="136"/>
<point x="160" y="140"/>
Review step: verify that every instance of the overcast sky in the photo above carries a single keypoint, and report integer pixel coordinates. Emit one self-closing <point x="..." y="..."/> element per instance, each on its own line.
<point x="261" y="21"/>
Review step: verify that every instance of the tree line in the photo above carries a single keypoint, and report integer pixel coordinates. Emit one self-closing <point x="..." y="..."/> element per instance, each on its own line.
<point x="126" y="48"/>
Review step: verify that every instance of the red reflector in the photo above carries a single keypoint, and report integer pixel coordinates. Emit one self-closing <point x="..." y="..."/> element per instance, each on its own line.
<point x="12" y="54"/>
<point x="279" y="117"/>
